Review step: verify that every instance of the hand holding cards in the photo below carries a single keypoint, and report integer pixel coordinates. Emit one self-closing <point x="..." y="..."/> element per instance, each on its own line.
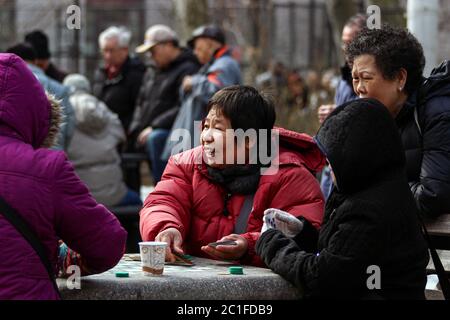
<point x="222" y="243"/>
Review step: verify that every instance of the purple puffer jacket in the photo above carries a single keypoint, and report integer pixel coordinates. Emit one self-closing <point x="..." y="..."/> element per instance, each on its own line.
<point x="42" y="186"/>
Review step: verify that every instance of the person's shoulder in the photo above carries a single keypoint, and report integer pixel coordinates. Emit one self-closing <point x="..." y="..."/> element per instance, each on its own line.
<point x="185" y="162"/>
<point x="42" y="163"/>
<point x="135" y="65"/>
<point x="225" y="61"/>
<point x="51" y="159"/>
<point x="189" y="157"/>
<point x="438" y="105"/>
<point x="293" y="173"/>
<point x="383" y="197"/>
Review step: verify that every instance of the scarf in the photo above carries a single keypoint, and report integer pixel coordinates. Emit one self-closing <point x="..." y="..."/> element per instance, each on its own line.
<point x="242" y="179"/>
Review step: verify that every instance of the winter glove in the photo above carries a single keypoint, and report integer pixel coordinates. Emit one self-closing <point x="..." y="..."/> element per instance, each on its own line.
<point x="283" y="221"/>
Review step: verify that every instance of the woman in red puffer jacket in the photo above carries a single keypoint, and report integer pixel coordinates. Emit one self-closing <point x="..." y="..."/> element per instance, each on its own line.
<point x="204" y="196"/>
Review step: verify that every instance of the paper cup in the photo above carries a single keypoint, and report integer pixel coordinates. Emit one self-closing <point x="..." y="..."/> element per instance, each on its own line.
<point x="153" y="256"/>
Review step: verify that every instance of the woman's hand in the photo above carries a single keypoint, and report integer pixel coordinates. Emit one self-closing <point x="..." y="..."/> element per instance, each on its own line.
<point x="174" y="242"/>
<point x="228" y="252"/>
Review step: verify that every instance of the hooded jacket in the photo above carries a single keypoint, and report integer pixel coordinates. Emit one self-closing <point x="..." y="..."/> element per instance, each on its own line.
<point x="158" y="101"/>
<point x="186" y="199"/>
<point x="93" y="149"/>
<point x="41" y="185"/>
<point x="370" y="221"/>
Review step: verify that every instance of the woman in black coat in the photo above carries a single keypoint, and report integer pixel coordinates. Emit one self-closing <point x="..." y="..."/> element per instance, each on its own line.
<point x="387" y="65"/>
<point x="370" y="244"/>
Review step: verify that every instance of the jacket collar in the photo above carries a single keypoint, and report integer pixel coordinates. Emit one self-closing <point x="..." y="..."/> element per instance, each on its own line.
<point x="407" y="109"/>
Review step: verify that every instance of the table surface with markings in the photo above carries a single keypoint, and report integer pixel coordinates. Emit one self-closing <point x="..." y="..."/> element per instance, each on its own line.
<point x="206" y="279"/>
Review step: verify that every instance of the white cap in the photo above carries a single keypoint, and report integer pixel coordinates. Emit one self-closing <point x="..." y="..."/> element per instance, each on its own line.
<point x="156" y="34"/>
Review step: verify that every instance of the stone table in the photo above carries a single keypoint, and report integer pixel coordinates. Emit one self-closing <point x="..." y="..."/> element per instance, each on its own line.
<point x="207" y="280"/>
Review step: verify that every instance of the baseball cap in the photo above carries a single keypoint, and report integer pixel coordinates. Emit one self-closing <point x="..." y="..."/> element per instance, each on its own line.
<point x="209" y="31"/>
<point x="158" y="33"/>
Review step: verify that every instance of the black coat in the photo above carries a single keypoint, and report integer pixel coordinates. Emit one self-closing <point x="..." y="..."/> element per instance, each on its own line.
<point x="370" y="218"/>
<point x="158" y="101"/>
<point x="428" y="148"/>
<point x="120" y="93"/>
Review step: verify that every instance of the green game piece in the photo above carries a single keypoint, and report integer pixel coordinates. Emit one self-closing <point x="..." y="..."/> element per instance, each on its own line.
<point x="236" y="270"/>
<point x="122" y="274"/>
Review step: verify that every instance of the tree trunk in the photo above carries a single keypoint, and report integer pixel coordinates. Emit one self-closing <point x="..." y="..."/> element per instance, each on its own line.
<point x="191" y="14"/>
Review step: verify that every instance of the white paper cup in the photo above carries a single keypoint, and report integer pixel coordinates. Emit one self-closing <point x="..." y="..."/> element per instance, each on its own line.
<point x="153" y="255"/>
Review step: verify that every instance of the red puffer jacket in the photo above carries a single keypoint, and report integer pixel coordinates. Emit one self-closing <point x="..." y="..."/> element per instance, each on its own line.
<point x="187" y="200"/>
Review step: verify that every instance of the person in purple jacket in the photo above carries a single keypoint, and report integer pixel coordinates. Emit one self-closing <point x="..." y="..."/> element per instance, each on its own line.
<point x="41" y="185"/>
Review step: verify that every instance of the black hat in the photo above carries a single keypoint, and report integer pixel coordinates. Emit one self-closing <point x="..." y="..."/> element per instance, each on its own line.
<point x="210" y="31"/>
<point x="39" y="41"/>
<point x="23" y="50"/>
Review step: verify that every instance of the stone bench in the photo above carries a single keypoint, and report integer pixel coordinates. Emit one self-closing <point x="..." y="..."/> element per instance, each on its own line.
<point x="132" y="159"/>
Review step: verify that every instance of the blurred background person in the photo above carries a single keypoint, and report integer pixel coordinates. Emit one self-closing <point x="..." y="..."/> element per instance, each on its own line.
<point x="93" y="149"/>
<point x="158" y="102"/>
<point x="53" y="87"/>
<point x="219" y="70"/>
<point x="39" y="41"/>
<point x="118" y="80"/>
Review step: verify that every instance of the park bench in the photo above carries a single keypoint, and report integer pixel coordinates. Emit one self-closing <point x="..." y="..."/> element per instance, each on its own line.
<point x="131" y="169"/>
<point x="439" y="231"/>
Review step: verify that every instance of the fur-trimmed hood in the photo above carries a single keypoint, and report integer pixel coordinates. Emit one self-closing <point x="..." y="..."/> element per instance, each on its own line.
<point x="362" y="144"/>
<point x="27" y="113"/>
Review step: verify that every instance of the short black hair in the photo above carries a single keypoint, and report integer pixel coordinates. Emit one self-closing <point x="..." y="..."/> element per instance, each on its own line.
<point x="39" y="41"/>
<point x="245" y="106"/>
<point x="23" y="50"/>
<point x="393" y="49"/>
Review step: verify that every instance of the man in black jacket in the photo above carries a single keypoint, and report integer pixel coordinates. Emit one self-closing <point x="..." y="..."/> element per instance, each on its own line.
<point x="158" y="101"/>
<point x="370" y="244"/>
<point x="117" y="82"/>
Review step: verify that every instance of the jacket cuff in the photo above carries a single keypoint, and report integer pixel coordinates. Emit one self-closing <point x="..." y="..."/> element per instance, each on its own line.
<point x="251" y="257"/>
